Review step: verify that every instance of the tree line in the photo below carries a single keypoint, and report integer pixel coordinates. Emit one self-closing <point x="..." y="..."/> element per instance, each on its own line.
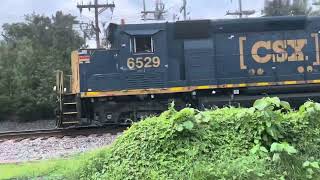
<point x="31" y="52"/>
<point x="290" y="8"/>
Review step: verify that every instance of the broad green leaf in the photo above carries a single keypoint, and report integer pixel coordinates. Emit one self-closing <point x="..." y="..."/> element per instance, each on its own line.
<point x="282" y="178"/>
<point x="276" y="101"/>
<point x="276" y="157"/>
<point x="291" y="150"/>
<point x="317" y="106"/>
<point x="199" y="118"/>
<point x="206" y="119"/>
<point x="310" y="171"/>
<point x="268" y="124"/>
<point x="251" y="110"/>
<point x="260" y="174"/>
<point x="276" y="147"/>
<point x="261" y="104"/>
<point x="285" y="105"/>
<point x="315" y="165"/>
<point x="188" y="125"/>
<point x="273" y="132"/>
<point x="179" y="128"/>
<point x="263" y="149"/>
<point x="255" y="149"/>
<point x="306" y="164"/>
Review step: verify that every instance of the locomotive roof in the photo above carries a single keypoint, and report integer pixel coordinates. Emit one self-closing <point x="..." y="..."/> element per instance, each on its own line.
<point x="202" y="28"/>
<point x="231" y="21"/>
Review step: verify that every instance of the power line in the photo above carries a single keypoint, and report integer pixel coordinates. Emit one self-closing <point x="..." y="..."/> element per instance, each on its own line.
<point x="184" y="9"/>
<point x="158" y="13"/>
<point x="98" y="9"/>
<point x="241" y="12"/>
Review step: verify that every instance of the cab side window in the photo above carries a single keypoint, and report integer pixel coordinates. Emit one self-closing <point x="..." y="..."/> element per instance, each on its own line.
<point x="143" y="44"/>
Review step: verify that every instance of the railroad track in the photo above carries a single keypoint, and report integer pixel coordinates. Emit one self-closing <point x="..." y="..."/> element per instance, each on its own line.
<point x="60" y="133"/>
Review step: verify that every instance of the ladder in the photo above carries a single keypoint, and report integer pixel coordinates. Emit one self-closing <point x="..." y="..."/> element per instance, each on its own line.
<point x="68" y="105"/>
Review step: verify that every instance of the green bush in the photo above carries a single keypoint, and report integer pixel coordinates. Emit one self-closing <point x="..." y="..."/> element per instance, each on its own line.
<point x="267" y="141"/>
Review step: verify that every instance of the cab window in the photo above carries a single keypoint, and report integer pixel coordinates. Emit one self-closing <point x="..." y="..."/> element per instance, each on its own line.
<point x="143" y="44"/>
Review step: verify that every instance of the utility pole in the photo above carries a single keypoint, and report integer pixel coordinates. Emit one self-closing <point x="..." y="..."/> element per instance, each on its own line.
<point x="184" y="9"/>
<point x="158" y="13"/>
<point x="241" y="12"/>
<point x="240" y="8"/>
<point x="98" y="9"/>
<point x="87" y="30"/>
<point x="144" y="11"/>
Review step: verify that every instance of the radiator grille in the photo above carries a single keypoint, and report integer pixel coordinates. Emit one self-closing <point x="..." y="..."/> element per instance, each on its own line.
<point x="145" y="80"/>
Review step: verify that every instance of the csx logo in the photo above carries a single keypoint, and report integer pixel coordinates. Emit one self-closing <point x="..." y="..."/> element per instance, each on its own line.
<point x="279" y="49"/>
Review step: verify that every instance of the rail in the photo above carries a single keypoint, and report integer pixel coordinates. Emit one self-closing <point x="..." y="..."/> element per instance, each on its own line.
<point x="72" y="132"/>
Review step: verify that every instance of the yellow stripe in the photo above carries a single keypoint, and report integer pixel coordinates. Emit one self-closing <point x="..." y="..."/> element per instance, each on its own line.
<point x="290" y="82"/>
<point x="203" y="87"/>
<point x="92" y="93"/>
<point x="176" y="89"/>
<point x="315" y="81"/>
<point x="263" y="84"/>
<point x="229" y="85"/>
<point x="186" y="89"/>
<point x="242" y="85"/>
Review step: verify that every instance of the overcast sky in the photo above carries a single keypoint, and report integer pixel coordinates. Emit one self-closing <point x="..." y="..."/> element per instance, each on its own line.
<point x="14" y="10"/>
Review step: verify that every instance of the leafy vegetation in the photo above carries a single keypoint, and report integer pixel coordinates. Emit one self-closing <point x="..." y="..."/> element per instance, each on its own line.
<point x="30" y="52"/>
<point x="267" y="141"/>
<point x="288" y="8"/>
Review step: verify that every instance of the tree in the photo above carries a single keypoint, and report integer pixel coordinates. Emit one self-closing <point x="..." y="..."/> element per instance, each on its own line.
<point x="316" y="12"/>
<point x="286" y="7"/>
<point x="31" y="53"/>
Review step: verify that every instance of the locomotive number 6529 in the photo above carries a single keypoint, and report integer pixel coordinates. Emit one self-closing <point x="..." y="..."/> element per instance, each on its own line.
<point x="140" y="62"/>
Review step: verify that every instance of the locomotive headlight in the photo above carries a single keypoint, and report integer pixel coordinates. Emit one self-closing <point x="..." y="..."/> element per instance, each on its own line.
<point x="152" y="96"/>
<point x="236" y="92"/>
<point x="214" y="92"/>
<point x="194" y="93"/>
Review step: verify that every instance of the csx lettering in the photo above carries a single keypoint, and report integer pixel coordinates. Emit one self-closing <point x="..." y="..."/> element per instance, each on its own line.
<point x="279" y="48"/>
<point x="140" y="62"/>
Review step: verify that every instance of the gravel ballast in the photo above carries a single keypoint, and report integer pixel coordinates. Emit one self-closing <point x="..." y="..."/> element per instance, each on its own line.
<point x="39" y="149"/>
<point x="6" y="126"/>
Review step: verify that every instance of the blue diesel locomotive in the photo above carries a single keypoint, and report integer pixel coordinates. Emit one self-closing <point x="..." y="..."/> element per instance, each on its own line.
<point x="203" y="63"/>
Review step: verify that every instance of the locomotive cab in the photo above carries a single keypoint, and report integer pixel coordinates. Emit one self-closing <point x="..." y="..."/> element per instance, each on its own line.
<point x="133" y="54"/>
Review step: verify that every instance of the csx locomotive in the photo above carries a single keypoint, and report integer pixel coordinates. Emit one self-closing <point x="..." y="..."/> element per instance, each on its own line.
<point x="203" y="63"/>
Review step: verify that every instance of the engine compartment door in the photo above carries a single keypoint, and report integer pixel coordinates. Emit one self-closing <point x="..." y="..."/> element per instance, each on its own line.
<point x="199" y="58"/>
